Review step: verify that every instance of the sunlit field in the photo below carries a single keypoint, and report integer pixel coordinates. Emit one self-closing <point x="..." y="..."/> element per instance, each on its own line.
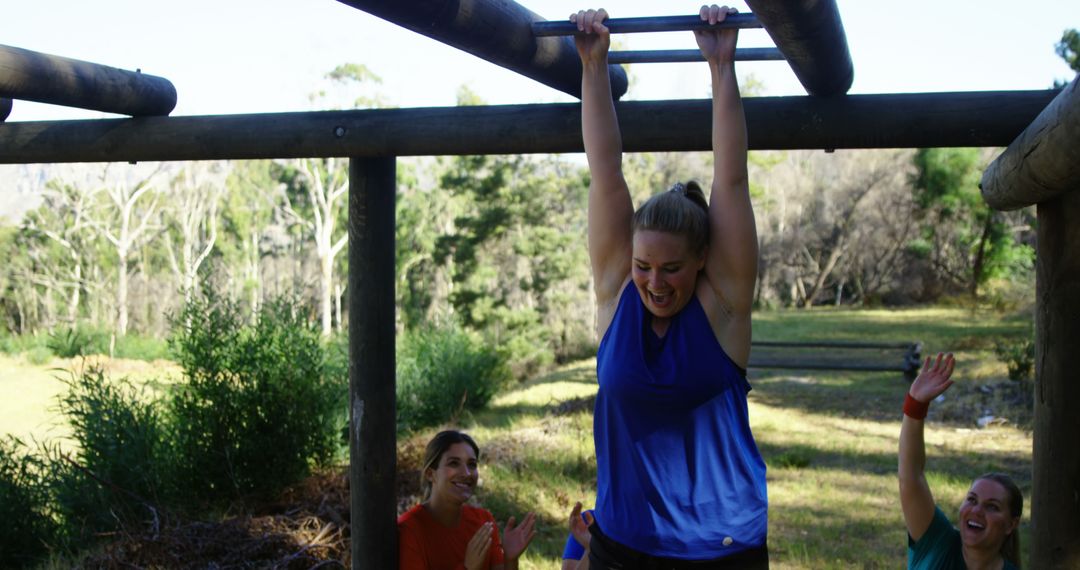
<point x="829" y="440"/>
<point x="829" y="437"/>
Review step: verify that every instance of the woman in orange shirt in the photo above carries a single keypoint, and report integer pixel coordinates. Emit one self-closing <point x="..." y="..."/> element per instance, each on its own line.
<point x="444" y="533"/>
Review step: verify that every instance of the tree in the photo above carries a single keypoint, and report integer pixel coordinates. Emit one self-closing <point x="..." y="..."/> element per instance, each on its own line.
<point x="324" y="182"/>
<point x="964" y="242"/>
<point x="127" y="218"/>
<point x="195" y="196"/>
<point x="1069" y="50"/>
<point x="62" y="218"/>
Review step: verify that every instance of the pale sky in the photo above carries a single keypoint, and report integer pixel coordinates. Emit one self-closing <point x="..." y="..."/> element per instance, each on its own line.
<point x="255" y="56"/>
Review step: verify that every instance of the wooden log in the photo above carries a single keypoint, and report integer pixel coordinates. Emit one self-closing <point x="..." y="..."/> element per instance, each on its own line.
<point x="45" y="78"/>
<point x="373" y="404"/>
<point x="854" y="121"/>
<point x="499" y="31"/>
<point x="5" y="108"/>
<point x="811" y="36"/>
<point x="1055" y="500"/>
<point x="1043" y="161"/>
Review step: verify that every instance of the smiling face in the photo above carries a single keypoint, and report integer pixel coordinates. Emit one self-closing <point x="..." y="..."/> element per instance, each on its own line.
<point x="454" y="479"/>
<point x="985" y="520"/>
<point x="665" y="271"/>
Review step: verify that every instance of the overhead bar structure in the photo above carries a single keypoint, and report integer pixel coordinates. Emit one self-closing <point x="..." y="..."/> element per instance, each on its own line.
<point x="5" y="108"/>
<point x="1042" y="166"/>
<point x="687" y="55"/>
<point x="45" y="78"/>
<point x="648" y="24"/>
<point x="856" y="121"/>
<point x="1043" y="161"/>
<point x="811" y="36"/>
<point x="499" y="32"/>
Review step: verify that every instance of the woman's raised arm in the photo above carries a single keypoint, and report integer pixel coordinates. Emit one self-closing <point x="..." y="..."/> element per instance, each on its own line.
<point x="916" y="500"/>
<point x="731" y="265"/>
<point x="610" y="207"/>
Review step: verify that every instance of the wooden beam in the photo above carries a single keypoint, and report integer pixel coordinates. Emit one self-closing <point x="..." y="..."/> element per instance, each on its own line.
<point x="499" y="31"/>
<point x="45" y="78"/>
<point x="1043" y="161"/>
<point x="811" y="36"/>
<point x="373" y="404"/>
<point x="855" y="121"/>
<point x="5" y="108"/>
<point x="1055" y="500"/>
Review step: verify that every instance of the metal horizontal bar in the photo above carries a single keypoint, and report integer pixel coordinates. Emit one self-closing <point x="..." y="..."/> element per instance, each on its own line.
<point x="911" y="120"/>
<point x="647" y="24"/>
<point x="686" y="55"/>
<point x="795" y="365"/>
<point x="834" y="344"/>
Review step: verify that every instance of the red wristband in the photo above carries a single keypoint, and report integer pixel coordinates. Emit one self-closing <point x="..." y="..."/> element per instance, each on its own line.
<point x="915" y="409"/>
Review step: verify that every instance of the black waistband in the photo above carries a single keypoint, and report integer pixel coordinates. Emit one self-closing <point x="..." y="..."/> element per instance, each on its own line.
<point x="605" y="553"/>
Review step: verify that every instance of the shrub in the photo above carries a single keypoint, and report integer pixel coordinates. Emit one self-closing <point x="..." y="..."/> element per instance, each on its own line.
<point x="38" y="355"/>
<point x="78" y="341"/>
<point x="28" y="527"/>
<point x="122" y="465"/>
<point x="441" y="371"/>
<point x="138" y="347"/>
<point x="257" y="407"/>
<point x="1018" y="354"/>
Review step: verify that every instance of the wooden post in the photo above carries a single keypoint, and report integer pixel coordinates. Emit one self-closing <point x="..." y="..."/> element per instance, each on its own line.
<point x="811" y="37"/>
<point x="45" y="78"/>
<point x="1055" y="500"/>
<point x="5" y="108"/>
<point x="499" y="31"/>
<point x="372" y="402"/>
<point x="1043" y="161"/>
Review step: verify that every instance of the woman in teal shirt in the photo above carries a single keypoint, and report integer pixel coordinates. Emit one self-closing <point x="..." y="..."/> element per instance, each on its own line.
<point x="990" y="514"/>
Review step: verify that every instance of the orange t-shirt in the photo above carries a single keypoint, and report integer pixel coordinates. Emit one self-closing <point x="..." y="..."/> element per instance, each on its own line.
<point x="425" y="544"/>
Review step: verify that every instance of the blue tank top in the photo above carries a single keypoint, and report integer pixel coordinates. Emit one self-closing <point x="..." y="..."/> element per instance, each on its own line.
<point x="678" y="472"/>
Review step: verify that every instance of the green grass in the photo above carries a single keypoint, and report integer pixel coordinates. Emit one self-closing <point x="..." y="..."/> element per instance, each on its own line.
<point x="829" y="439"/>
<point x="28" y="409"/>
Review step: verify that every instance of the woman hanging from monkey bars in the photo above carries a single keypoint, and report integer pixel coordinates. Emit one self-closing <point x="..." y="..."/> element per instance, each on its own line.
<point x="680" y="481"/>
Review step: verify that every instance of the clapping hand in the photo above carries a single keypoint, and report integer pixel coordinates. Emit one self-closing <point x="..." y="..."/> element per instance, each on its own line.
<point x="517" y="538"/>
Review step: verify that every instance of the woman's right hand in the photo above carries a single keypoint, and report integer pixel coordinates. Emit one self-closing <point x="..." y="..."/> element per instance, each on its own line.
<point x="579" y="528"/>
<point x="934" y="378"/>
<point x="593" y="43"/>
<point x="476" y="552"/>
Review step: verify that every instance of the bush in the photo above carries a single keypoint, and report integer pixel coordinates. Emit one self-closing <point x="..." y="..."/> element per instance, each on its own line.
<point x="122" y="465"/>
<point x="78" y="341"/>
<point x="138" y="347"/>
<point x="1018" y="354"/>
<point x="38" y="355"/>
<point x="441" y="371"/>
<point x="257" y="408"/>
<point x="28" y="528"/>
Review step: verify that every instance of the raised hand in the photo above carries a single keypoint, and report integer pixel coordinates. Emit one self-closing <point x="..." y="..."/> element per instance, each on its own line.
<point x="517" y="538"/>
<point x="718" y="46"/>
<point x="592" y="45"/>
<point x="476" y="552"/>
<point x="580" y="528"/>
<point x="933" y="380"/>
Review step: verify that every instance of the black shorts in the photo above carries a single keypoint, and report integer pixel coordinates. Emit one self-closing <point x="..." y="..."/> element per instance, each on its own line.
<point x="607" y="554"/>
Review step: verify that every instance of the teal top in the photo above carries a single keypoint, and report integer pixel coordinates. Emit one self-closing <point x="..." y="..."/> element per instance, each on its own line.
<point x="939" y="548"/>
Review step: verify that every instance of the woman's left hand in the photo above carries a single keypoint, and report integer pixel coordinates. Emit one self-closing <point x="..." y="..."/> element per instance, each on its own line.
<point x="717" y="45"/>
<point x="516" y="539"/>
